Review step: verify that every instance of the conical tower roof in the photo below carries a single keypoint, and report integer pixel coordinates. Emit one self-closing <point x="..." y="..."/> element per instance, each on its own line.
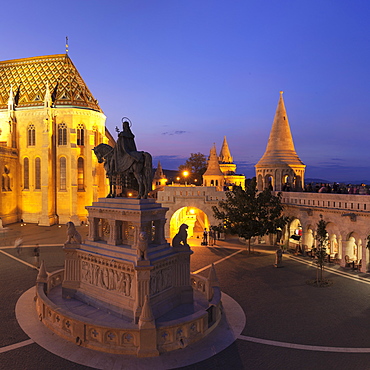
<point x="213" y="167"/>
<point x="280" y="147"/>
<point x="159" y="172"/>
<point x="225" y="156"/>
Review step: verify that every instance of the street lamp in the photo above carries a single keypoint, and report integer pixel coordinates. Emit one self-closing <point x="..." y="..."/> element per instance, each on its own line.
<point x="185" y="174"/>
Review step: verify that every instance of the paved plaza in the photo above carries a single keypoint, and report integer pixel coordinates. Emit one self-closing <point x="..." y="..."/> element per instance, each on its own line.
<point x="289" y="324"/>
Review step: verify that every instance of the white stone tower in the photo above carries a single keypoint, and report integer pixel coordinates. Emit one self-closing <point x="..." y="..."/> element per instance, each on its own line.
<point x="280" y="166"/>
<point x="213" y="175"/>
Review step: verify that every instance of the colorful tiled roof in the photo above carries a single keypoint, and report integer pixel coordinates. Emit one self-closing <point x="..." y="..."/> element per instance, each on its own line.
<point x="29" y="78"/>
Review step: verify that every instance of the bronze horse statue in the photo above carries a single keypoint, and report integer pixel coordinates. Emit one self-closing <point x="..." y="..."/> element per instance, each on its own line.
<point x="118" y="162"/>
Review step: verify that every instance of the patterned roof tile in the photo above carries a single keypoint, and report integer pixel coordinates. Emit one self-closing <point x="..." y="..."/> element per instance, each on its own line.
<point x="29" y="77"/>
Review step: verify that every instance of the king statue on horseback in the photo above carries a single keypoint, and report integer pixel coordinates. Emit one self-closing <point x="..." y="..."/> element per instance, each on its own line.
<point x="125" y="160"/>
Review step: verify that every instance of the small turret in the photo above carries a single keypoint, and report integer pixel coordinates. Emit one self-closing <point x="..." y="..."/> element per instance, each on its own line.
<point x="159" y="178"/>
<point x="226" y="160"/>
<point x="213" y="175"/>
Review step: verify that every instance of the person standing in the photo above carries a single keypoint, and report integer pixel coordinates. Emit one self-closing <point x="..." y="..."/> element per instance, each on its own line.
<point x="205" y="237"/>
<point x="36" y="253"/>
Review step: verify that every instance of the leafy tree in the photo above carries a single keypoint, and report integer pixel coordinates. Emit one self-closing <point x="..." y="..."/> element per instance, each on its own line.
<point x="196" y="164"/>
<point x="323" y="239"/>
<point x="248" y="213"/>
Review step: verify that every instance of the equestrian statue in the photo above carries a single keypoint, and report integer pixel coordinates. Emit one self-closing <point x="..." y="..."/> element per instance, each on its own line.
<point x="125" y="161"/>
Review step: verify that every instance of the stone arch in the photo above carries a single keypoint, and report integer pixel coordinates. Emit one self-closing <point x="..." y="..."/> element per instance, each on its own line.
<point x="269" y="181"/>
<point x="194" y="217"/>
<point x="294" y="233"/>
<point x="353" y="246"/>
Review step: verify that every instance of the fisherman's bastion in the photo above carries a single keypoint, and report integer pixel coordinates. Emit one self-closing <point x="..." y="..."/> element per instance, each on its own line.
<point x="50" y="121"/>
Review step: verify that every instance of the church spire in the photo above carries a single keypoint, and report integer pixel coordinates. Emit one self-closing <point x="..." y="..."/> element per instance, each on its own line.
<point x="280" y="146"/>
<point x="225" y="156"/>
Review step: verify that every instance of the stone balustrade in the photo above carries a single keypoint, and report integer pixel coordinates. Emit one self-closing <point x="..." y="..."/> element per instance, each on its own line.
<point x="171" y="335"/>
<point x="345" y="202"/>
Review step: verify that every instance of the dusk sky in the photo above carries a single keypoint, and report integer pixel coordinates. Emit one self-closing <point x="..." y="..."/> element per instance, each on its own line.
<point x="187" y="73"/>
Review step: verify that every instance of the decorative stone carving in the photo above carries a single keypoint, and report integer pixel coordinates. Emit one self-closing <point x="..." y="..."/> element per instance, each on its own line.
<point x="180" y="239"/>
<point x="73" y="235"/>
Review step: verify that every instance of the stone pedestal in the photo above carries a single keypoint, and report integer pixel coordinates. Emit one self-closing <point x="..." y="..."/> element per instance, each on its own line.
<point x="126" y="258"/>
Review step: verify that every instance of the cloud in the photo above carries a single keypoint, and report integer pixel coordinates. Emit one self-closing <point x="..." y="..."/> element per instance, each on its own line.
<point x="178" y="132"/>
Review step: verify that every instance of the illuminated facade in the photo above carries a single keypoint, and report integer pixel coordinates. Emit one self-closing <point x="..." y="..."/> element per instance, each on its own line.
<point x="49" y="123"/>
<point x="347" y="215"/>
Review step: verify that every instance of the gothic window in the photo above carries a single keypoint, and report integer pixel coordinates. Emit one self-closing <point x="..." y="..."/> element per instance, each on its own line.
<point x="80" y="174"/>
<point x="26" y="174"/>
<point x="62" y="134"/>
<point x="80" y="134"/>
<point x="31" y="135"/>
<point x="63" y="174"/>
<point x="38" y="173"/>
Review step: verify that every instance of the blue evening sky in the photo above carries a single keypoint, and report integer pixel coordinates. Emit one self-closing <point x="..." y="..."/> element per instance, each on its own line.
<point x="189" y="72"/>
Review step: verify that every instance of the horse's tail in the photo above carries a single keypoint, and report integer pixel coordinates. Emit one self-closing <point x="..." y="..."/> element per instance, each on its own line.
<point x="148" y="170"/>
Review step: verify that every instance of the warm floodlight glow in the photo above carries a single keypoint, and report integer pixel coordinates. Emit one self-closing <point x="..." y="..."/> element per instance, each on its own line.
<point x="185" y="173"/>
<point x="130" y="194"/>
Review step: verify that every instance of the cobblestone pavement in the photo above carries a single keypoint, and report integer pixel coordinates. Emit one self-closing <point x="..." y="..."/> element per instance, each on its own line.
<point x="305" y="327"/>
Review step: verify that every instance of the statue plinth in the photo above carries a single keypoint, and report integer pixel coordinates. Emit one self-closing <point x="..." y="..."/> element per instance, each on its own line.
<point x="126" y="258"/>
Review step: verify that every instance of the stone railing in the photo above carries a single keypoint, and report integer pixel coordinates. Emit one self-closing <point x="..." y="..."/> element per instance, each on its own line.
<point x="345" y="202"/>
<point x="207" y="193"/>
<point x="126" y="339"/>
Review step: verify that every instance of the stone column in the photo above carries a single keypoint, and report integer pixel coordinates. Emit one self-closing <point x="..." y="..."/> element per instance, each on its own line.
<point x="305" y="245"/>
<point x="93" y="228"/>
<point x="159" y="231"/>
<point x="71" y="280"/>
<point x="112" y="232"/>
<point x="142" y="275"/>
<point x="364" y="257"/>
<point x="344" y="252"/>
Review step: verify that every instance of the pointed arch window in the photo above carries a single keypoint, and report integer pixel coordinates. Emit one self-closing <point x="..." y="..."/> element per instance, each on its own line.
<point x="80" y="134"/>
<point x="26" y="174"/>
<point x="63" y="173"/>
<point x="38" y="173"/>
<point x="31" y="135"/>
<point x="80" y="175"/>
<point x="62" y="134"/>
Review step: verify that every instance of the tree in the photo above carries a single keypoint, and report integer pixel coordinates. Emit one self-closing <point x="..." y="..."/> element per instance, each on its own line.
<point x="248" y="213"/>
<point x="196" y="164"/>
<point x="323" y="239"/>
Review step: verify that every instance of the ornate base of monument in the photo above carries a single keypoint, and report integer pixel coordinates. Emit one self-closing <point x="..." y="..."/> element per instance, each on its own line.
<point x="126" y="290"/>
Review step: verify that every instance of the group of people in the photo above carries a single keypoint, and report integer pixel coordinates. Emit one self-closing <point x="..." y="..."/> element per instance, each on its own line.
<point x="337" y="188"/>
<point x="209" y="237"/>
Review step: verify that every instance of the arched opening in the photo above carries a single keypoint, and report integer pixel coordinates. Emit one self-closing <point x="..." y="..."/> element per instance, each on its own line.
<point x="286" y="185"/>
<point x="269" y="182"/>
<point x="195" y="218"/>
<point x="295" y="233"/>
